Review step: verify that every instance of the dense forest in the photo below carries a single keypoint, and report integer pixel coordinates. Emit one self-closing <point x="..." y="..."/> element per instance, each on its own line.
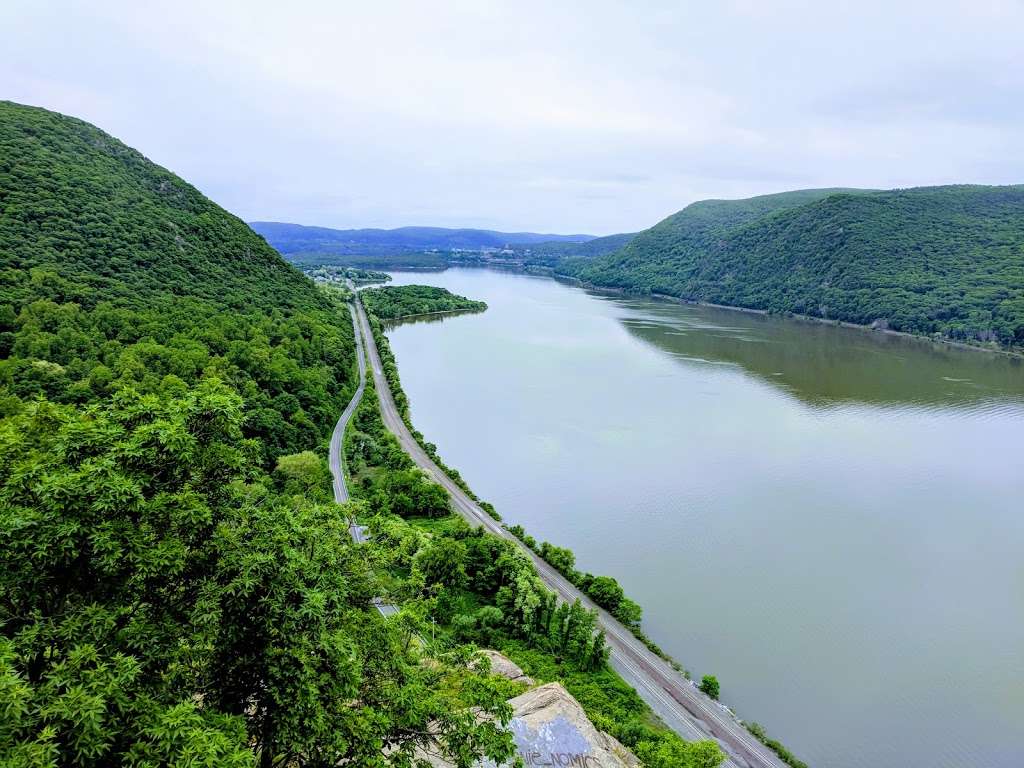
<point x="176" y="586"/>
<point x="931" y="260"/>
<point x="393" y="302"/>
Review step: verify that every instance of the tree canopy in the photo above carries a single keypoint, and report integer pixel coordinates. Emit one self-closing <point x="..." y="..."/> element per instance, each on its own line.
<point x="176" y="586"/>
<point x="392" y="302"/>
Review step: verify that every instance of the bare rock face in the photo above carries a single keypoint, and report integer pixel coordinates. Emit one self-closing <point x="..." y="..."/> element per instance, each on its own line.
<point x="504" y="667"/>
<point x="551" y="729"/>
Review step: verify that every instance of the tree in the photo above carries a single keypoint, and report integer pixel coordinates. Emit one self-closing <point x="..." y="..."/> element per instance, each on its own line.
<point x="304" y="473"/>
<point x="562" y="558"/>
<point x="676" y="753"/>
<point x="411" y="493"/>
<point x="162" y="602"/>
<point x="606" y="592"/>
<point x="629" y="612"/>
<point x="442" y="563"/>
<point x="709" y="685"/>
<point x="148" y="565"/>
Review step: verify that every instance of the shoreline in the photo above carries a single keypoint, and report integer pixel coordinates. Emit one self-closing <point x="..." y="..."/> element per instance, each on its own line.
<point x="549" y="272"/>
<point x="403" y="318"/>
<point x="708" y="722"/>
<point x="667" y="297"/>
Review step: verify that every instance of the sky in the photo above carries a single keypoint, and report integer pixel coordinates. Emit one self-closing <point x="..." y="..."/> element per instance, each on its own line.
<point x="570" y="117"/>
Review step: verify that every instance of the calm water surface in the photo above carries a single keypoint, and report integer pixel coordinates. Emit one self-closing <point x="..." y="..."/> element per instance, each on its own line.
<point x="829" y="520"/>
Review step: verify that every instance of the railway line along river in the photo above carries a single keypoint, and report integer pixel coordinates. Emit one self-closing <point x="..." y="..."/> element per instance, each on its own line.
<point x="829" y="520"/>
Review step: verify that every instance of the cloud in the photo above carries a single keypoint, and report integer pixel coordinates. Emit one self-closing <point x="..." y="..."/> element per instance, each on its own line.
<point x="578" y="116"/>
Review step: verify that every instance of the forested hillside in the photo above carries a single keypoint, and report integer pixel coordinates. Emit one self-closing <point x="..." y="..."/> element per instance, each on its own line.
<point x="117" y="273"/>
<point x="176" y="587"/>
<point x="931" y="260"/>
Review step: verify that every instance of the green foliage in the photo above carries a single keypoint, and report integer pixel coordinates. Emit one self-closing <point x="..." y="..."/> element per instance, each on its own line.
<point x="603" y="590"/>
<point x="409" y="493"/>
<point x="393" y="302"/>
<point x="670" y="753"/>
<point x="606" y="592"/>
<point x="562" y="558"/>
<point x="109" y="517"/>
<point x="931" y="260"/>
<point x="146" y="562"/>
<point x="164" y="598"/>
<point x="114" y="225"/>
<point x="442" y="562"/>
<point x="482" y="628"/>
<point x="776" y="746"/>
<point x="305" y="474"/>
<point x="115" y="273"/>
<point x="709" y="685"/>
<point x="368" y="444"/>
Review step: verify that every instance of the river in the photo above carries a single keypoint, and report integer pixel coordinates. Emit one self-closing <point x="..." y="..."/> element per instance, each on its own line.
<point x="828" y="519"/>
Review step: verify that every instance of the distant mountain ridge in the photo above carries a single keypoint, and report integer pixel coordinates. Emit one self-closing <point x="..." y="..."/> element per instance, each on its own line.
<point x="931" y="260"/>
<point x="551" y="253"/>
<point x="291" y="239"/>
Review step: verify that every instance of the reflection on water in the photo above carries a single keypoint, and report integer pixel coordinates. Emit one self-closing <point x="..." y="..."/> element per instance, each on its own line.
<point x="432" y="317"/>
<point x="824" y="364"/>
<point x="827" y="519"/>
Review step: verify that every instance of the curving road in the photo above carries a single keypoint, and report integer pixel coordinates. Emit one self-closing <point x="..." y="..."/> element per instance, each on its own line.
<point x="334" y="453"/>
<point x="335" y="456"/>
<point x="680" y="705"/>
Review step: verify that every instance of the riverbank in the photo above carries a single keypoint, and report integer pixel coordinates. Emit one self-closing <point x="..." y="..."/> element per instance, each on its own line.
<point x="991" y="347"/>
<point x="707" y="459"/>
<point x="538" y="644"/>
<point x="684" y="686"/>
<point x="441" y="313"/>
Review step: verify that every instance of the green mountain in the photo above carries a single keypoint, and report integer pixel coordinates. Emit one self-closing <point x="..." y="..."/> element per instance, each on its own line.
<point x="176" y="585"/>
<point x="115" y="272"/>
<point x="931" y="260"/>
<point x="78" y="201"/>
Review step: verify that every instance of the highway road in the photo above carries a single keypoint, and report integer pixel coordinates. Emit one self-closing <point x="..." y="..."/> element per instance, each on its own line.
<point x="335" y="451"/>
<point x="335" y="456"/>
<point x="677" y="701"/>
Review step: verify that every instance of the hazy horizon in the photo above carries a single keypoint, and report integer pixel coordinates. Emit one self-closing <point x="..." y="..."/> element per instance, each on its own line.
<point x="584" y="118"/>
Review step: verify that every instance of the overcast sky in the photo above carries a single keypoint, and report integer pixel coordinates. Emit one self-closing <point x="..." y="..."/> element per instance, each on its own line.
<point x="550" y="116"/>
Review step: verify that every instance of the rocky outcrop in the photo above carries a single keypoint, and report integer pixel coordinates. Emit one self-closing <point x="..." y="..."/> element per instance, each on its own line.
<point x="503" y="666"/>
<point x="551" y="730"/>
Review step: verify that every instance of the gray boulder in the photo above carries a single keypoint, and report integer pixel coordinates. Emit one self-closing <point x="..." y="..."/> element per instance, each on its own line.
<point x="550" y="728"/>
<point x="503" y="666"/>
